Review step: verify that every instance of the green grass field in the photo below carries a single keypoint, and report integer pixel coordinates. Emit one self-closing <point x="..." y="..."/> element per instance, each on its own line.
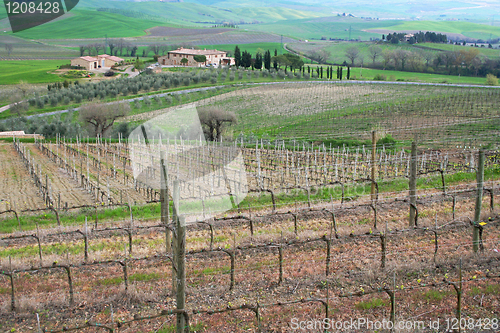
<point x="368" y="74"/>
<point x="30" y="71"/>
<point x="190" y="13"/>
<point x="329" y="27"/>
<point x="90" y="23"/>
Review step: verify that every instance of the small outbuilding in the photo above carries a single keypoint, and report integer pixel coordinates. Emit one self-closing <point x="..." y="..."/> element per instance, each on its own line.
<point x="88" y="63"/>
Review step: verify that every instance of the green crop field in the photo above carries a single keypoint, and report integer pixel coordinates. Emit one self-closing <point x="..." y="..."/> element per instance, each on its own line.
<point x="30" y="71"/>
<point x="90" y="24"/>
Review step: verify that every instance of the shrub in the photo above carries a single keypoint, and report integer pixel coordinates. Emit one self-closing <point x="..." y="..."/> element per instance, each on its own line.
<point x="213" y="79"/>
<point x="168" y="99"/>
<point x="240" y="75"/>
<point x="109" y="73"/>
<point x="231" y="77"/>
<point x="491" y="80"/>
<point x="380" y="77"/>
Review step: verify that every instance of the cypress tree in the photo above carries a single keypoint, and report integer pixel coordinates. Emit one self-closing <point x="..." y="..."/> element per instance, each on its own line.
<point x="237" y="56"/>
<point x="321" y="71"/>
<point x="348" y="72"/>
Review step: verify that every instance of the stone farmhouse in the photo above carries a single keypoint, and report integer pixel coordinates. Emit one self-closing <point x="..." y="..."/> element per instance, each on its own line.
<point x="102" y="60"/>
<point x="173" y="58"/>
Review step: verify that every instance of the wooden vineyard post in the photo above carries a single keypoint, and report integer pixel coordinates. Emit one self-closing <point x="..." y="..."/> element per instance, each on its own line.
<point x="374" y="188"/>
<point x="479" y="200"/>
<point x="181" y="273"/>
<point x="413" y="184"/>
<point x="175" y="233"/>
<point x="85" y="236"/>
<point x="165" y="203"/>
<point x="374" y="165"/>
<point x="39" y="244"/>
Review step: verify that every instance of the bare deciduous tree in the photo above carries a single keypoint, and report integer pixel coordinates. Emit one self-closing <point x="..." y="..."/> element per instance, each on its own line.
<point x="213" y="121"/>
<point x="101" y="117"/>
<point x="156" y="48"/>
<point x="352" y="53"/>
<point x="8" y="47"/>
<point x="375" y="52"/>
<point x="320" y="56"/>
<point x="98" y="47"/>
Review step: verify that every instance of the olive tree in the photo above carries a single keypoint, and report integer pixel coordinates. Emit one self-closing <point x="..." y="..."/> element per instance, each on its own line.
<point x="101" y="117"/>
<point x="214" y="120"/>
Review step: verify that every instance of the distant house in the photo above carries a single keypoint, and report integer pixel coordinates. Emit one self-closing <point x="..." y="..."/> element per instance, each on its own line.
<point x="173" y="58"/>
<point x="408" y="36"/>
<point x="90" y="63"/>
<point x="19" y="134"/>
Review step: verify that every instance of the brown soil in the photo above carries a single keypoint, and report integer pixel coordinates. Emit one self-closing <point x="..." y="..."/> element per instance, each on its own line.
<point x="17" y="190"/>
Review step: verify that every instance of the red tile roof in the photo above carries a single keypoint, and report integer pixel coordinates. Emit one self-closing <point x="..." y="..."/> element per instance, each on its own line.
<point x="195" y="52"/>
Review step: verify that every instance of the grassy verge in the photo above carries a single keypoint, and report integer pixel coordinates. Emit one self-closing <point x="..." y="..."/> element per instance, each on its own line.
<point x="152" y="211"/>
